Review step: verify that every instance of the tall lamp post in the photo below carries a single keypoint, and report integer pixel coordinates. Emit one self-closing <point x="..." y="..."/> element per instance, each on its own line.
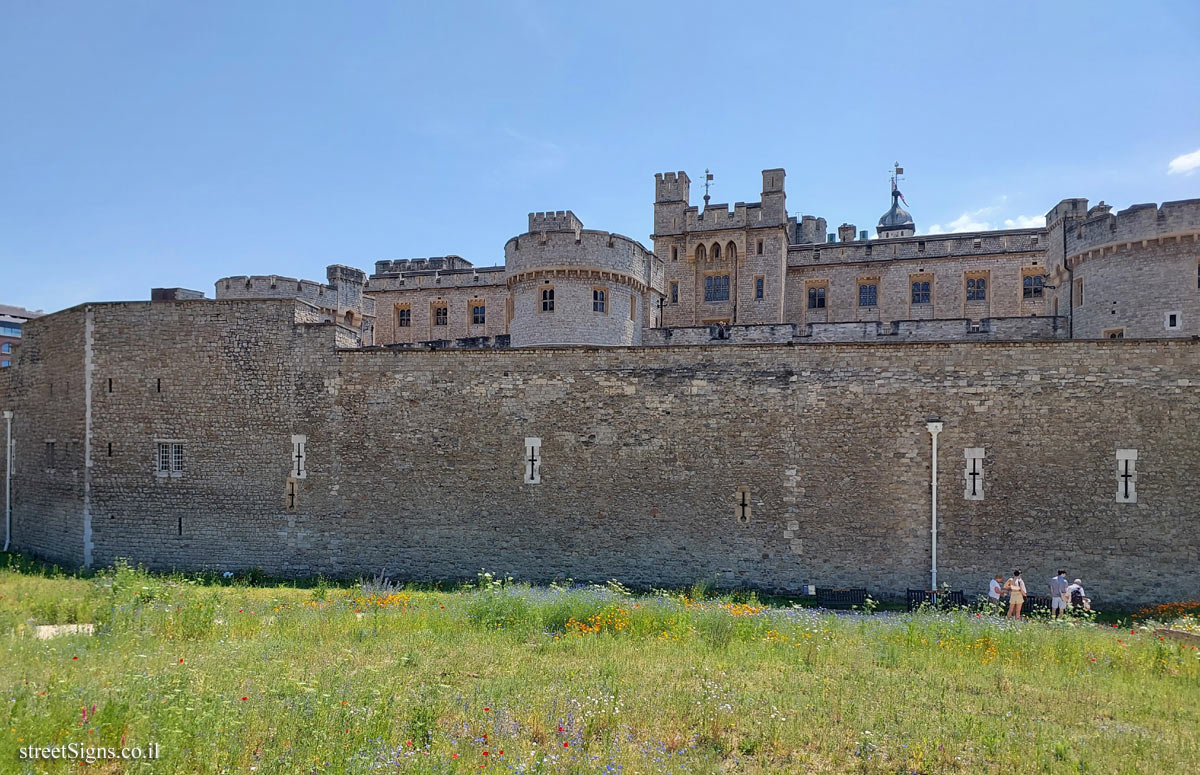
<point x="8" y="415"/>
<point x="934" y="426"/>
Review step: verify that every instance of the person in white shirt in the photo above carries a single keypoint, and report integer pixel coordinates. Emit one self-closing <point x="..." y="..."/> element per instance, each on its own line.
<point x="995" y="590"/>
<point x="1077" y="602"/>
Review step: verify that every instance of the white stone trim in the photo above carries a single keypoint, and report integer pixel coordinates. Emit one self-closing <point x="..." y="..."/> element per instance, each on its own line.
<point x="1178" y="320"/>
<point x="532" y="460"/>
<point x="299" y="456"/>
<point x="1127" y="486"/>
<point x="973" y="485"/>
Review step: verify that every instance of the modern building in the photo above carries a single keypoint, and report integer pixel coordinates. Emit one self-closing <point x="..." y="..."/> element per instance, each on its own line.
<point x="12" y="321"/>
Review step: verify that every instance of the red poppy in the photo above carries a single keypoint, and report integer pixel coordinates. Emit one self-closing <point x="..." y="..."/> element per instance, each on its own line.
<point x="246" y="698"/>
<point x="566" y="744"/>
<point x="181" y="660"/>
<point x="487" y="708"/>
<point x="74" y="657"/>
<point x="560" y="729"/>
<point x="485" y="753"/>
<point x="453" y="756"/>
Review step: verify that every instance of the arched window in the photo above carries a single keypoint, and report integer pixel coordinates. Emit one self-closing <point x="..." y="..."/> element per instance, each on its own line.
<point x="598" y="300"/>
<point x="731" y="251"/>
<point x="716" y="251"/>
<point x="700" y="253"/>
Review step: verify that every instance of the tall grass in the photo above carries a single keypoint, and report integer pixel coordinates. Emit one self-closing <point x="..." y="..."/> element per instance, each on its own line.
<point x="232" y="677"/>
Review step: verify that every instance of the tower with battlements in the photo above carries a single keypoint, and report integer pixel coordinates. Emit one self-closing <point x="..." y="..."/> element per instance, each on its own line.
<point x="574" y="286"/>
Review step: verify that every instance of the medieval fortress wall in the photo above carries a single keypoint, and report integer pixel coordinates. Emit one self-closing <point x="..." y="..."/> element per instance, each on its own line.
<point x="416" y="462"/>
<point x="745" y="404"/>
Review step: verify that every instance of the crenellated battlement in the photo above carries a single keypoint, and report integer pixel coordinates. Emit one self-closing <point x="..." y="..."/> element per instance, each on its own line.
<point x="554" y="220"/>
<point x="1133" y="224"/>
<point x="271" y="287"/>
<point x="338" y="274"/>
<point x="921" y="247"/>
<point x="590" y="248"/>
<point x="432" y="264"/>
<point x="672" y="186"/>
<point x="1067" y="208"/>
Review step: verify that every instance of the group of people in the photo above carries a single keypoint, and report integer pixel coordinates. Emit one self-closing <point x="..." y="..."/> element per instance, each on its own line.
<point x="1062" y="594"/>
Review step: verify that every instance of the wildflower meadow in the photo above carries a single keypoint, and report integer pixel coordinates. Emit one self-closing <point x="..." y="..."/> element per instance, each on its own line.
<point x="241" y="675"/>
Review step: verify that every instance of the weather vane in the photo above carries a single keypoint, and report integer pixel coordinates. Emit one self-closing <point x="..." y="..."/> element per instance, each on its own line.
<point x="708" y="176"/>
<point x="897" y="171"/>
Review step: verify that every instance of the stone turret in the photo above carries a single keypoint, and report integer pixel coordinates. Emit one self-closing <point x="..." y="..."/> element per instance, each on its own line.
<point x="574" y="286"/>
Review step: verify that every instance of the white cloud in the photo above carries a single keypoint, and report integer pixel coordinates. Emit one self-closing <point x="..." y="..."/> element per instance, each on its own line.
<point x="966" y="222"/>
<point x="1184" y="164"/>
<point x="1025" y="222"/>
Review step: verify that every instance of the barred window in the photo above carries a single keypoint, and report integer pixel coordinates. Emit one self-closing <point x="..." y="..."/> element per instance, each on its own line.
<point x="168" y="459"/>
<point x="598" y="300"/>
<point x="441" y="316"/>
<point x="976" y="289"/>
<point x="816" y="298"/>
<point x="920" y="292"/>
<point x="1032" y="286"/>
<point x="547" y="300"/>
<point x="716" y="287"/>
<point x="478" y="315"/>
<point x="868" y="295"/>
<point x="403" y="318"/>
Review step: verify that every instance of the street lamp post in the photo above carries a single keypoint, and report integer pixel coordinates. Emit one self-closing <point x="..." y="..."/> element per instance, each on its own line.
<point x="934" y="426"/>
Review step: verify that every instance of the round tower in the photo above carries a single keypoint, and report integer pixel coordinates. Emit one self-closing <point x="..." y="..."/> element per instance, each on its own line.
<point x="574" y="286"/>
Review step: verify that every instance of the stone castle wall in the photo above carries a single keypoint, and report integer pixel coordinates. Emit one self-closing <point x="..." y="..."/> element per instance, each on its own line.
<point x="45" y="388"/>
<point x="415" y="459"/>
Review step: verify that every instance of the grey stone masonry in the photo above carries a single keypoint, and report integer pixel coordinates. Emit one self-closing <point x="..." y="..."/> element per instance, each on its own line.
<point x="415" y="458"/>
<point x="574" y="286"/>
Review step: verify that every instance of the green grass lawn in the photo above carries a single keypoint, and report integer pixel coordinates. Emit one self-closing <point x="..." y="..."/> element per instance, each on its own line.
<point x="228" y="677"/>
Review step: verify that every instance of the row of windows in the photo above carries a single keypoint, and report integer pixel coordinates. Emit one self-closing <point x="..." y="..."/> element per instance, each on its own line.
<point x="599" y="301"/>
<point x="868" y="293"/>
<point x="441" y="316"/>
<point x="716" y="288"/>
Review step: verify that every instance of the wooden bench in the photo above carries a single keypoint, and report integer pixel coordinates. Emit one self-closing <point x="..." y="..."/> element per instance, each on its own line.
<point x="841" y="597"/>
<point x="933" y="597"/>
<point x="1035" y="603"/>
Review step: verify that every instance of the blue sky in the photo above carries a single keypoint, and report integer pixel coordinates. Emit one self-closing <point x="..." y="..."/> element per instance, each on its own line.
<point x="168" y="144"/>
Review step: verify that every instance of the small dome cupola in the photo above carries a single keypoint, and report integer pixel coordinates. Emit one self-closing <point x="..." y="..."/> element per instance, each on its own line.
<point x="896" y="222"/>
